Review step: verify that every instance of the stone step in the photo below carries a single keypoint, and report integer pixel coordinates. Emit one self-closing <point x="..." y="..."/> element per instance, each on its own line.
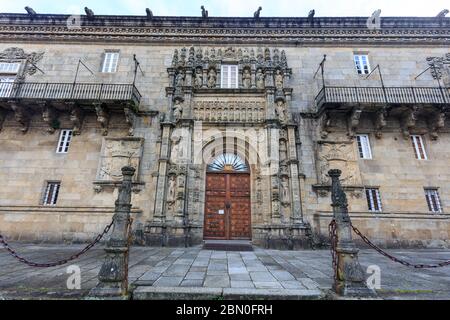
<point x="185" y="293"/>
<point x="228" y="245"/>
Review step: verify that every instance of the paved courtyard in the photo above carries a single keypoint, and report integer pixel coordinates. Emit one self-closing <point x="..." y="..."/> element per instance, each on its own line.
<point x="277" y="272"/>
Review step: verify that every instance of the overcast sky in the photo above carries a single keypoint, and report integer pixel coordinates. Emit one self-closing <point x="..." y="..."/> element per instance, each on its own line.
<point x="281" y="8"/>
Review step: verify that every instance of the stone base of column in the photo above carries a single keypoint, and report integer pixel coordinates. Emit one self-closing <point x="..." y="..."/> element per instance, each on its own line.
<point x="351" y="280"/>
<point x="282" y="237"/>
<point x="113" y="282"/>
<point x="169" y="235"/>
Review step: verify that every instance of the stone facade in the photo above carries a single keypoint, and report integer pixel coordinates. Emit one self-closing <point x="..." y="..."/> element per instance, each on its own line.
<point x="180" y="118"/>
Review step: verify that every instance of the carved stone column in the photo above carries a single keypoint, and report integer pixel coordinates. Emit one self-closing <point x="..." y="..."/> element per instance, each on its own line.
<point x="350" y="280"/>
<point x="113" y="274"/>
<point x="295" y="183"/>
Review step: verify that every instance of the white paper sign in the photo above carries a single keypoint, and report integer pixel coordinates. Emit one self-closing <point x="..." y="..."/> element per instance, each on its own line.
<point x="221" y="212"/>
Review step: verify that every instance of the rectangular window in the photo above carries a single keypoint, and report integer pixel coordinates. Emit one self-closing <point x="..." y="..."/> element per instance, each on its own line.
<point x="362" y="63"/>
<point x="229" y="75"/>
<point x="364" y="146"/>
<point x="374" y="200"/>
<point x="433" y="200"/>
<point x="110" y="62"/>
<point x="419" y="147"/>
<point x="51" y="193"/>
<point x="64" y="141"/>
<point x="7" y="67"/>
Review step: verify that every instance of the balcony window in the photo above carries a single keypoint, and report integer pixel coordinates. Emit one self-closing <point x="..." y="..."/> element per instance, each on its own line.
<point x="229" y="74"/>
<point x="362" y="63"/>
<point x="8" y="73"/>
<point x="110" y="62"/>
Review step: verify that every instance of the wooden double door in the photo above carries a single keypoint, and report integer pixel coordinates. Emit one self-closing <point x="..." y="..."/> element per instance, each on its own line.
<point x="227" y="207"/>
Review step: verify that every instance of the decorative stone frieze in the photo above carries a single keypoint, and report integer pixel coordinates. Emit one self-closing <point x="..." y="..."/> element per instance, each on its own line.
<point x="28" y="61"/>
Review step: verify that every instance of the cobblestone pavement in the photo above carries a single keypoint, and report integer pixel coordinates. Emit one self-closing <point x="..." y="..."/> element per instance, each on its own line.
<point x="193" y="267"/>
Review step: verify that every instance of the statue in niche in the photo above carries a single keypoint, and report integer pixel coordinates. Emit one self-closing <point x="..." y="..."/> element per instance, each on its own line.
<point x="279" y="80"/>
<point x="177" y="110"/>
<point x="246" y="79"/>
<point x="212" y="76"/>
<point x="260" y="83"/>
<point x="281" y="111"/>
<point x="198" y="82"/>
<point x="177" y="148"/>
<point x="171" y="192"/>
<point x="179" y="80"/>
<point x="285" y="189"/>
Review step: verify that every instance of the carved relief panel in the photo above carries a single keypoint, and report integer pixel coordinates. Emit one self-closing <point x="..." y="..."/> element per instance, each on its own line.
<point x="117" y="153"/>
<point x="338" y="155"/>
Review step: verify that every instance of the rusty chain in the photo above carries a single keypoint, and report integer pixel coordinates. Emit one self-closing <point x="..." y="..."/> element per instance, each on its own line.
<point x="334" y="240"/>
<point x="60" y="262"/>
<point x="403" y="262"/>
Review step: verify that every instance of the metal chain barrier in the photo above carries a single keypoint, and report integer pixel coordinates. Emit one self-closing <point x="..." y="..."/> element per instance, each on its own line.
<point x="334" y="240"/>
<point x="384" y="253"/>
<point x="60" y="262"/>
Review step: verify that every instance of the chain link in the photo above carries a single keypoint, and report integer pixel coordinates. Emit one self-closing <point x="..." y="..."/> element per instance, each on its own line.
<point x="60" y="262"/>
<point x="403" y="262"/>
<point x="334" y="240"/>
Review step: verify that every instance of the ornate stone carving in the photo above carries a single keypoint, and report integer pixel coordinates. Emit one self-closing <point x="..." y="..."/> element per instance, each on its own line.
<point x="21" y="116"/>
<point x="325" y="125"/>
<point x="212" y="78"/>
<point x="130" y="119"/>
<point x="436" y="122"/>
<point x="229" y="110"/>
<point x="380" y="122"/>
<point x="117" y="153"/>
<point x="102" y="118"/>
<point x="18" y="55"/>
<point x="76" y="118"/>
<point x="281" y="112"/>
<point x="408" y="121"/>
<point x="177" y="111"/>
<point x="336" y="155"/>
<point x="260" y="80"/>
<point x="440" y="68"/>
<point x="246" y="79"/>
<point x="49" y="116"/>
<point x="353" y="121"/>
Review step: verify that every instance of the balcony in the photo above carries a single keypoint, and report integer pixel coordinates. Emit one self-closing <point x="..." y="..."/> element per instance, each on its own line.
<point x="78" y="99"/>
<point x="330" y="95"/>
<point x="78" y="92"/>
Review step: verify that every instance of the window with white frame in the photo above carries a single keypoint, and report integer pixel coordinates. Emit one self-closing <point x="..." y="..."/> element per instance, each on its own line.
<point x="374" y="199"/>
<point x="8" y="74"/>
<point x="419" y="147"/>
<point x="364" y="150"/>
<point x="110" y="61"/>
<point x="362" y="63"/>
<point x="433" y="200"/>
<point x="229" y="76"/>
<point x="64" y="141"/>
<point x="51" y="193"/>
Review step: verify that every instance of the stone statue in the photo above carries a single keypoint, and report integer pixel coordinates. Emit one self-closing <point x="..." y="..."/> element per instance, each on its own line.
<point x="260" y="83"/>
<point x="30" y="11"/>
<point x="204" y="12"/>
<point x="285" y="190"/>
<point x="198" y="82"/>
<point x="149" y="13"/>
<point x="89" y="13"/>
<point x="171" y="189"/>
<point x="311" y="15"/>
<point x="212" y="76"/>
<point x="281" y="111"/>
<point x="283" y="151"/>
<point x="279" y="80"/>
<point x="179" y="80"/>
<point x="257" y="13"/>
<point x="442" y="14"/>
<point x="177" y="110"/>
<point x="246" y="79"/>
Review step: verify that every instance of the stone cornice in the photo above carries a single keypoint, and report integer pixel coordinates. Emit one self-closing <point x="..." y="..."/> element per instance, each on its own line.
<point x="193" y="30"/>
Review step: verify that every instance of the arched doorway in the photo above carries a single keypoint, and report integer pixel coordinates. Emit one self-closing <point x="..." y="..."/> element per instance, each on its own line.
<point x="227" y="199"/>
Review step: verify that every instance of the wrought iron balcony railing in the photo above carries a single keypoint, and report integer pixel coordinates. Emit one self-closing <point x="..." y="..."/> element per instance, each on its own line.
<point x="383" y="95"/>
<point x="88" y="92"/>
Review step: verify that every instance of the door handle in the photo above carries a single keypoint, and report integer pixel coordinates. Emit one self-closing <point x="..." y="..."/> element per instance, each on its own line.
<point x="228" y="205"/>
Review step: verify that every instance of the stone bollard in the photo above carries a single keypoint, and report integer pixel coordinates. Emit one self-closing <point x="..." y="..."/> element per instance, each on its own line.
<point x="350" y="279"/>
<point x="113" y="275"/>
